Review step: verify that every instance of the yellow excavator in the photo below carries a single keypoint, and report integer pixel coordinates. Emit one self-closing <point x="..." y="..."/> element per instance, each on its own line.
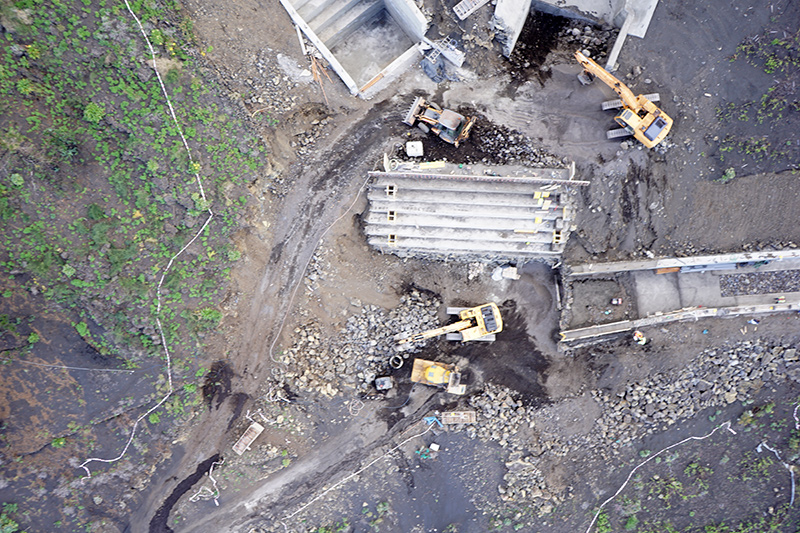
<point x="476" y="323"/>
<point x="640" y="117"/>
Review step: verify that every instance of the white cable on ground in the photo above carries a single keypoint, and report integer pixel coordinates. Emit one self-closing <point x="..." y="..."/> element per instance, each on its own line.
<point x="351" y="476"/>
<point x="355" y="407"/>
<point x="726" y="425"/>
<point x="213" y="493"/>
<point x="171" y="261"/>
<point x="785" y="465"/>
<point x="67" y="367"/>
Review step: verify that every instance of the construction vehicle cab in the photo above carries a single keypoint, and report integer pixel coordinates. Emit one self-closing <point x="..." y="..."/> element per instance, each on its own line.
<point x="640" y="117"/>
<point x="438" y="375"/>
<point x="450" y="126"/>
<point x="475" y="323"/>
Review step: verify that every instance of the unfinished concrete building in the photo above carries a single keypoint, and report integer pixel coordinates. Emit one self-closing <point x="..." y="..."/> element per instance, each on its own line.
<point x="440" y="210"/>
<point x="365" y="41"/>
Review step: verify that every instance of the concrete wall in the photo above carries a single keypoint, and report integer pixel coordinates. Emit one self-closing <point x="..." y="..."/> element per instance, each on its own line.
<point x="509" y="18"/>
<point x="334" y="63"/>
<point x="408" y="16"/>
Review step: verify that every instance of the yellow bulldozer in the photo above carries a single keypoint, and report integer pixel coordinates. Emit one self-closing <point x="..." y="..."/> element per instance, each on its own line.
<point x="639" y="117"/>
<point x="438" y="375"/>
<point x="450" y="126"/>
<point x="476" y="323"/>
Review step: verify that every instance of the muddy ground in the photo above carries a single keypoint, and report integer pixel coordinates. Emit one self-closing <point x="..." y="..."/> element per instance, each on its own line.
<point x="714" y="67"/>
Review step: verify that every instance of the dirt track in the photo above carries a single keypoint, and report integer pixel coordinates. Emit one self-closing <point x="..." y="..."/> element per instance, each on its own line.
<point x="638" y="201"/>
<point x="666" y="203"/>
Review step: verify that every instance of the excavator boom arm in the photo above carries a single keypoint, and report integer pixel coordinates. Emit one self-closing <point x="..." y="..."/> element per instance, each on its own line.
<point x="622" y="90"/>
<point x="457" y="326"/>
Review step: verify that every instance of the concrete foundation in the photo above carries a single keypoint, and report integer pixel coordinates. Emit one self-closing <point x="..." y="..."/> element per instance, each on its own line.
<point x="509" y="18"/>
<point x="472" y="215"/>
<point x="365" y="42"/>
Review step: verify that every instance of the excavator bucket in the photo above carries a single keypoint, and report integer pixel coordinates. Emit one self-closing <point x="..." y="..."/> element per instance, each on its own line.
<point x="464" y="135"/>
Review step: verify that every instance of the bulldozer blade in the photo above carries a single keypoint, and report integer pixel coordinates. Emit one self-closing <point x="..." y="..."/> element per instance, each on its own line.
<point x="413" y="112"/>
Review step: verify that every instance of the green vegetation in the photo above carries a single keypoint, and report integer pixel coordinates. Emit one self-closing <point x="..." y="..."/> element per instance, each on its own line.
<point x="780" y="58"/>
<point x="7" y="523"/>
<point x="603" y="525"/>
<point x="99" y="191"/>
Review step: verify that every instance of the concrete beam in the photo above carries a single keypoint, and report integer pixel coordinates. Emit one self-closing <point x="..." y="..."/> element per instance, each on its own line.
<point x="590" y="269"/>
<point x="509" y="18"/>
<point x="602" y="330"/>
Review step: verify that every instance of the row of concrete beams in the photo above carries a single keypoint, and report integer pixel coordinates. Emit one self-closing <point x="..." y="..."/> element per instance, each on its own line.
<point x="589" y="269"/>
<point x="514" y="217"/>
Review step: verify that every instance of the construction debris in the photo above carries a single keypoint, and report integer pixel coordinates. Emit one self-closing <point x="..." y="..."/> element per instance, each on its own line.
<point x="247" y="438"/>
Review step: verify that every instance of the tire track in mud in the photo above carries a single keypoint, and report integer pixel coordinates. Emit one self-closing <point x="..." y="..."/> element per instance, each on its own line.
<point x="292" y="488"/>
<point x="305" y="214"/>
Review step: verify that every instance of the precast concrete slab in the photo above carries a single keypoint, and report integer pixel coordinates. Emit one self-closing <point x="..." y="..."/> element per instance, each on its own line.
<point x="475" y="212"/>
<point x="656" y="292"/>
<point x="770" y="260"/>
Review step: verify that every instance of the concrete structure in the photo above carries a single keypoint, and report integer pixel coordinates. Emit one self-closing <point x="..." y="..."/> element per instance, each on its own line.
<point x="366" y="42"/>
<point x="589" y="269"/>
<point x="685" y="288"/>
<point x="509" y="18"/>
<point x="593" y="334"/>
<point x="473" y="212"/>
<point x="632" y="17"/>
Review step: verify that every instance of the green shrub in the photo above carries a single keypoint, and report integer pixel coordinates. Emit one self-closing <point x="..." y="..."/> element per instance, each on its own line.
<point x="94" y="113"/>
<point x="728" y="175"/>
<point x="631" y="523"/>
<point x="96" y="212"/>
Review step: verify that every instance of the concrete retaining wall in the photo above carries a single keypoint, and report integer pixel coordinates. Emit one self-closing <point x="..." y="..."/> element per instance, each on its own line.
<point x="509" y="18"/>
<point x="409" y="17"/>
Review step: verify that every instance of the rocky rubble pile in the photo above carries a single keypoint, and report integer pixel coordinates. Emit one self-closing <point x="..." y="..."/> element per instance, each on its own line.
<point x="506" y="421"/>
<point x="361" y="351"/>
<point x="502" y="146"/>
<point x="716" y="378"/>
<point x="593" y="42"/>
<point x="760" y="282"/>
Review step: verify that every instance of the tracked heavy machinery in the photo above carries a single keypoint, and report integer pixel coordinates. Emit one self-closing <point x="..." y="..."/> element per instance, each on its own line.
<point x="438" y="375"/>
<point x="639" y="117"/>
<point x="476" y="323"/>
<point x="450" y="126"/>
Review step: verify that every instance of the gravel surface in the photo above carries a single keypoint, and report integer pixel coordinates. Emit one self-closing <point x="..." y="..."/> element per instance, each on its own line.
<point x="760" y="283"/>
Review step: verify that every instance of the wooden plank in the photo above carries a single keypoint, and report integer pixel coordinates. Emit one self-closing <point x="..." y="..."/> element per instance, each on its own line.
<point x="459" y="417"/>
<point x="247" y="438"/>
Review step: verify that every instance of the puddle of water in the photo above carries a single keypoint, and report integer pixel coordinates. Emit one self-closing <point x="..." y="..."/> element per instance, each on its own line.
<point x="372" y="47"/>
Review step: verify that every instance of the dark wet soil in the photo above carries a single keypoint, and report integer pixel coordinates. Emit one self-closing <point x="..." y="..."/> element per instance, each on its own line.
<point x="512" y="360"/>
<point x="538" y="38"/>
<point x="217" y="384"/>
<point x="159" y="522"/>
